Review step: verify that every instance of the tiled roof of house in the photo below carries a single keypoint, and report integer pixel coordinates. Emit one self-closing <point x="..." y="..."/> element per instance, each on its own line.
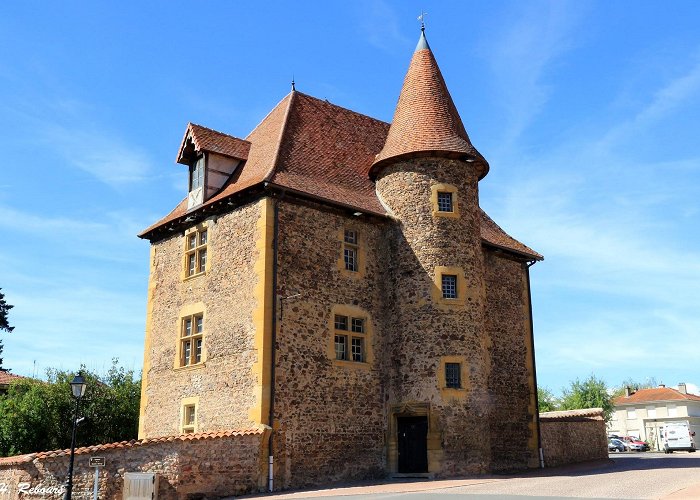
<point x="426" y="121"/>
<point x="7" y="377"/>
<point x="655" y="394"/>
<point x="493" y="234"/>
<point x="128" y="444"/>
<point x="206" y="139"/>
<point x="293" y="148"/>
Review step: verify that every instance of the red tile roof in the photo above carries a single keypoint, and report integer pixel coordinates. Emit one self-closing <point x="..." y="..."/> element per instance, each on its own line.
<point x="426" y="121"/>
<point x="206" y="139"/>
<point x="655" y="394"/>
<point x="293" y="148"/>
<point x="128" y="444"/>
<point x="7" y="377"/>
<point x="584" y="413"/>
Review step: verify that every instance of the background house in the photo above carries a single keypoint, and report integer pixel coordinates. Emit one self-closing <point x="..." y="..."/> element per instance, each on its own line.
<point x="644" y="413"/>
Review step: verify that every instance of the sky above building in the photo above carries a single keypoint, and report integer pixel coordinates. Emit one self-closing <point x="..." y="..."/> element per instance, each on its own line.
<point x="587" y="111"/>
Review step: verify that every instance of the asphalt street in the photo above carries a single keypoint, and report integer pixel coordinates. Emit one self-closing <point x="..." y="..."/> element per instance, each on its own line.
<point x="625" y="476"/>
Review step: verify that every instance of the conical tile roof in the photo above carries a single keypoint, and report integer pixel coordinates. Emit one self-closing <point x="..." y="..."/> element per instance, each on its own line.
<point x="426" y="121"/>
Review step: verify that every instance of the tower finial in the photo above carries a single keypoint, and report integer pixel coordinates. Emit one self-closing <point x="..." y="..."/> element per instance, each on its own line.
<point x="293" y="86"/>
<point x="421" y="18"/>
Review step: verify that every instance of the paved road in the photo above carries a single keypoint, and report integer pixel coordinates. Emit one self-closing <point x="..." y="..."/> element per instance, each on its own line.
<point x="625" y="476"/>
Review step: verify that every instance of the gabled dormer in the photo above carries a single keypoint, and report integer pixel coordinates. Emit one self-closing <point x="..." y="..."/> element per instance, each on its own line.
<point x="212" y="157"/>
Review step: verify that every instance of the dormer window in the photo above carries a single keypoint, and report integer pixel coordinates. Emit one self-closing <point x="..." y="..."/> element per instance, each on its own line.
<point x="196" y="196"/>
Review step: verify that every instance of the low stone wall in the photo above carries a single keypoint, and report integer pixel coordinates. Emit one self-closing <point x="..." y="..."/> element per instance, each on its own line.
<point x="192" y="466"/>
<point x="573" y="436"/>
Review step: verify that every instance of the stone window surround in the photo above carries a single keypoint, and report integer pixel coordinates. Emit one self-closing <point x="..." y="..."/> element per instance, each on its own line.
<point x="189" y="310"/>
<point x="199" y="228"/>
<point x="439" y="271"/>
<point x="367" y="336"/>
<point x="361" y="252"/>
<point x="184" y="428"/>
<point x="453" y="392"/>
<point x="444" y="188"/>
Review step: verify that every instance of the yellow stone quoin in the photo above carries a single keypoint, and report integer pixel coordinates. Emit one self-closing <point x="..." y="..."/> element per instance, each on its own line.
<point x="262" y="314"/>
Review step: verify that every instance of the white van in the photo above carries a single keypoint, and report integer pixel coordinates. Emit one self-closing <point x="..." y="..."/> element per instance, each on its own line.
<point x="678" y="437"/>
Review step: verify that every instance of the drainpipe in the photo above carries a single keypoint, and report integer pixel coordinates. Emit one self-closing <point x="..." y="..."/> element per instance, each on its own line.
<point x="528" y="265"/>
<point x="275" y="242"/>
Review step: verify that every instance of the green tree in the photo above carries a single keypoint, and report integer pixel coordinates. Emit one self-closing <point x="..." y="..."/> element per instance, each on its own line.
<point x="546" y="400"/>
<point x="591" y="393"/>
<point x="634" y="385"/>
<point x="37" y="415"/>
<point x="4" y="321"/>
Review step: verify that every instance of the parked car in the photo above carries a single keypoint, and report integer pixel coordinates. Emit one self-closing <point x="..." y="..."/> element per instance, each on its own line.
<point x="616" y="446"/>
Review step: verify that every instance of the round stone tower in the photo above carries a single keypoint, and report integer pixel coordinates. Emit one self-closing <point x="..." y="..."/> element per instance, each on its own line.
<point x="427" y="177"/>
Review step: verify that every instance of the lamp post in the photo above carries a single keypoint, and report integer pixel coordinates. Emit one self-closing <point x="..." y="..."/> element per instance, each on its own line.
<point x="77" y="386"/>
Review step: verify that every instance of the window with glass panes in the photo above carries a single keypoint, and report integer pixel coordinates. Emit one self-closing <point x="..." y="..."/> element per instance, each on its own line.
<point x="444" y="200"/>
<point x="350" y="249"/>
<point x="196" y="252"/>
<point x="449" y="286"/>
<point x="189" y="415"/>
<point x="453" y="377"/>
<point x="349" y="338"/>
<point x="197" y="174"/>
<point x="191" y="340"/>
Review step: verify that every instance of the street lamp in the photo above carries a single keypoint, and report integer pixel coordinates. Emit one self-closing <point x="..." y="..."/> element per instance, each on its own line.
<point x="77" y="386"/>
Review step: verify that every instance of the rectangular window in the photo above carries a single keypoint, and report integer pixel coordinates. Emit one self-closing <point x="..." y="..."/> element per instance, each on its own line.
<point x="341" y="322"/>
<point x="453" y="378"/>
<point x="341" y="347"/>
<point x="631" y="414"/>
<point x="357" y="350"/>
<point x="672" y="410"/>
<point x="651" y="411"/>
<point x="197" y="174"/>
<point x="444" y="202"/>
<point x="191" y="339"/>
<point x="349" y="346"/>
<point x="358" y="325"/>
<point x="196" y="252"/>
<point x="449" y="286"/>
<point x="189" y="414"/>
<point x="350" y="248"/>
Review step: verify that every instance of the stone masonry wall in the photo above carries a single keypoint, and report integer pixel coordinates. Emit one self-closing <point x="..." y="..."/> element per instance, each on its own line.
<point x="193" y="467"/>
<point x="425" y="330"/>
<point x="224" y="382"/>
<point x="572" y="439"/>
<point x="329" y="415"/>
<point x="510" y="382"/>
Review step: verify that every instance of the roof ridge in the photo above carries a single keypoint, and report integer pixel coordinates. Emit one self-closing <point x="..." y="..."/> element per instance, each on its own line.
<point x="326" y="101"/>
<point x="216" y="131"/>
<point x="278" y="148"/>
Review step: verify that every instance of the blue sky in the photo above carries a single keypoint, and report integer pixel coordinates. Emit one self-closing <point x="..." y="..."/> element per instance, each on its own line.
<point x="588" y="112"/>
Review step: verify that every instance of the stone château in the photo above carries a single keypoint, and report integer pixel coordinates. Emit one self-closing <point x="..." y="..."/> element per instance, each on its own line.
<point x="333" y="277"/>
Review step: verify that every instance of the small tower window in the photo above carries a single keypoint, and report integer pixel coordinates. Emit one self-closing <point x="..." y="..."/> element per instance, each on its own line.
<point x="449" y="286"/>
<point x="191" y="339"/>
<point x="444" y="200"/>
<point x="453" y="379"/>
<point x="350" y="246"/>
<point x="196" y="252"/>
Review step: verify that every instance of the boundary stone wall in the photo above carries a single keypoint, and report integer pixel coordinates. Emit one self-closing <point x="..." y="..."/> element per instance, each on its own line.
<point x="573" y="436"/>
<point x="191" y="466"/>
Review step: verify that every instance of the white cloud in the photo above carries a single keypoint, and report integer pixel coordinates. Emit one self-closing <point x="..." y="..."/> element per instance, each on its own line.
<point x="104" y="156"/>
<point x="536" y="34"/>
